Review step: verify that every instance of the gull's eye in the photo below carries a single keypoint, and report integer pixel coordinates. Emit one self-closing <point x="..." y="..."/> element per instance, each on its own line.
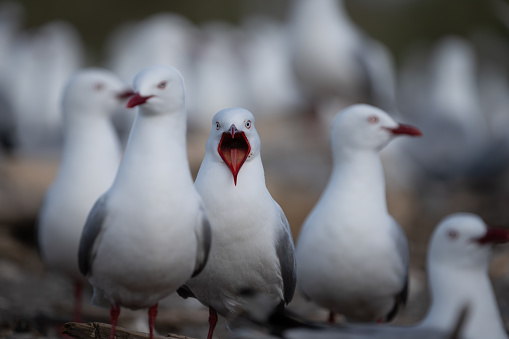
<point x="373" y="119"/>
<point x="218" y="126"/>
<point x="248" y="124"/>
<point x="453" y="234"/>
<point x="162" y="85"/>
<point x="98" y="86"/>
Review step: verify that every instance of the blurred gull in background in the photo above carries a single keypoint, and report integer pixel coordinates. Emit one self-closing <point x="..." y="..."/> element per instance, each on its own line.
<point x="335" y="62"/>
<point x="39" y="63"/>
<point x="167" y="39"/>
<point x="219" y="74"/>
<point x="448" y="109"/>
<point x="458" y="259"/>
<point x="11" y="20"/>
<point x="266" y="56"/>
<point x="88" y="165"/>
<point x="493" y="81"/>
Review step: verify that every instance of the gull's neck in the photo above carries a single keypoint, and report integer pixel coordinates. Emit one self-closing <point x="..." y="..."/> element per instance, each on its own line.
<point x="156" y="149"/>
<point x="250" y="177"/>
<point x="453" y="289"/>
<point x="444" y="280"/>
<point x="358" y="177"/>
<point x="89" y="140"/>
<point x="250" y="183"/>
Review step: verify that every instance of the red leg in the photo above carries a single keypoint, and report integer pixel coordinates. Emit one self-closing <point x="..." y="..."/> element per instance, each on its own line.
<point x="78" y="297"/>
<point x="114" y="312"/>
<point x="331" y="317"/>
<point x="212" y="322"/>
<point x="152" y="314"/>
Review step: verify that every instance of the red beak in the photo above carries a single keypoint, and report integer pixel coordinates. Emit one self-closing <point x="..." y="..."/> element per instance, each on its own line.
<point x="494" y="236"/>
<point x="137" y="99"/>
<point x="234" y="149"/>
<point x="406" y="129"/>
<point x="125" y="94"/>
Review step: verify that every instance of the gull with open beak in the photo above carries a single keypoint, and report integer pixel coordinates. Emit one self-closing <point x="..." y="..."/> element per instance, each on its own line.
<point x="234" y="152"/>
<point x="252" y="245"/>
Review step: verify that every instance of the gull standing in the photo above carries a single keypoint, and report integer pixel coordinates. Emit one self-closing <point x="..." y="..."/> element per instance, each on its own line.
<point x="458" y="261"/>
<point x="335" y="62"/>
<point x="352" y="256"/>
<point x="90" y="157"/>
<point x="252" y="246"/>
<point x="148" y="234"/>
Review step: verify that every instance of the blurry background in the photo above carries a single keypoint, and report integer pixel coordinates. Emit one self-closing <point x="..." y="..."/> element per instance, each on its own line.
<point x="440" y="65"/>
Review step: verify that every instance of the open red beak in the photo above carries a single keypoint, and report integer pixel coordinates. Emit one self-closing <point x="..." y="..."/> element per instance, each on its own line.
<point x="137" y="99"/>
<point x="234" y="149"/>
<point x="406" y="129"/>
<point x="494" y="236"/>
<point x="125" y="94"/>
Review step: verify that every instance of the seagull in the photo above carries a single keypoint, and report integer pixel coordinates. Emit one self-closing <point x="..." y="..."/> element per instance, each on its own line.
<point x="443" y="96"/>
<point x="220" y="77"/>
<point x="352" y="256"/>
<point x="268" y="71"/>
<point x="252" y="245"/>
<point x="458" y="260"/>
<point x="40" y="62"/>
<point x="335" y="62"/>
<point x="148" y="234"/>
<point x="90" y="158"/>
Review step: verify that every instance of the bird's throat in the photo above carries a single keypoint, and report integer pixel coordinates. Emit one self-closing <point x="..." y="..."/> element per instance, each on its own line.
<point x="234" y="151"/>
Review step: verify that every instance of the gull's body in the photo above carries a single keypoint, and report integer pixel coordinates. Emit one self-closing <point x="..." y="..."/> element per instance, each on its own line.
<point x="40" y="63"/>
<point x="334" y="61"/>
<point x="252" y="246"/>
<point x="147" y="235"/>
<point x="442" y="95"/>
<point x="219" y="74"/>
<point x="352" y="256"/>
<point x="88" y="165"/>
<point x="458" y="262"/>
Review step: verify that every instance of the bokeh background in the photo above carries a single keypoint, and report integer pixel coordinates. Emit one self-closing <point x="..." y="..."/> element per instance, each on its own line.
<point x="440" y="65"/>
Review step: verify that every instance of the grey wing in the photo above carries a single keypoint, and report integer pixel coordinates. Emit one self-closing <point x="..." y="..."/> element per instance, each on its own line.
<point x="91" y="231"/>
<point x="204" y="237"/>
<point x="39" y="223"/>
<point x="285" y="250"/>
<point x="404" y="253"/>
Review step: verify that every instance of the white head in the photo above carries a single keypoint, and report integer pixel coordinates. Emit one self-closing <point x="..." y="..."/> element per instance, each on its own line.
<point x="159" y="90"/>
<point x="95" y="91"/>
<point x="462" y="241"/>
<point x="233" y="138"/>
<point x="366" y="127"/>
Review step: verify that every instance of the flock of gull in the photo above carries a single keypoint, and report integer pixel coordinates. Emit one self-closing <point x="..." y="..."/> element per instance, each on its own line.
<point x="131" y="221"/>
